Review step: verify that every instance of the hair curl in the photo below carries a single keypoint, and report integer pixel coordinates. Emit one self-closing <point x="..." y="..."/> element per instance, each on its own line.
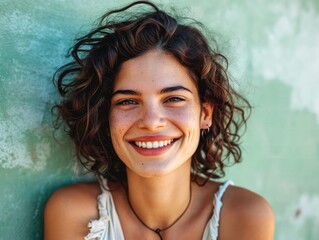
<point x="86" y="83"/>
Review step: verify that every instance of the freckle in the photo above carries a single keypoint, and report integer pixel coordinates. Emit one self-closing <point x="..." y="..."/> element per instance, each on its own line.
<point x="297" y="212"/>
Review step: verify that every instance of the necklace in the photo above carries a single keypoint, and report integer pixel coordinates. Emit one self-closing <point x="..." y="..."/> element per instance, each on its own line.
<point x="158" y="230"/>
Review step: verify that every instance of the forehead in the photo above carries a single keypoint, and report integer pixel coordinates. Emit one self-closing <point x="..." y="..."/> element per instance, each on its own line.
<point x="154" y="69"/>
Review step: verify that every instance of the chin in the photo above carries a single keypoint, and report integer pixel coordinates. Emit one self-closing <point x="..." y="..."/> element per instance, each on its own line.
<point x="150" y="170"/>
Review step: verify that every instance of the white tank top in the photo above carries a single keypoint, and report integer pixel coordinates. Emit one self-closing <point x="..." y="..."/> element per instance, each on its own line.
<point x="108" y="226"/>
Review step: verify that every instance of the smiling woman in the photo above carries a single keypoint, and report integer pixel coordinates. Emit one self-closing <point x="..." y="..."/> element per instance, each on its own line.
<point x="162" y="109"/>
<point x="151" y="111"/>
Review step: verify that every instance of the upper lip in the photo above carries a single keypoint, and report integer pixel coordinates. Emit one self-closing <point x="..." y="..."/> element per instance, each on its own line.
<point x="152" y="138"/>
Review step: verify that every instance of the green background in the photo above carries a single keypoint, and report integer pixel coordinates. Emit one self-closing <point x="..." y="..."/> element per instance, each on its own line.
<point x="273" y="50"/>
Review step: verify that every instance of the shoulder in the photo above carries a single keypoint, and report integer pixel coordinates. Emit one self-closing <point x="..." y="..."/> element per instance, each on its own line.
<point x="245" y="215"/>
<point x="74" y="196"/>
<point x="69" y="210"/>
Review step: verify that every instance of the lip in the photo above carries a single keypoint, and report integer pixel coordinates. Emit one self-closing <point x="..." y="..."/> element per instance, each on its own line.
<point x="153" y="151"/>
<point x="152" y="138"/>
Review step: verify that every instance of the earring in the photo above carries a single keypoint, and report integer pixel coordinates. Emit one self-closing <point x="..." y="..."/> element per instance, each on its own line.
<point x="204" y="132"/>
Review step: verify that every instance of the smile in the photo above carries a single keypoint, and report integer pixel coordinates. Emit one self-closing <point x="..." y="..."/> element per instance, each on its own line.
<point x="153" y="144"/>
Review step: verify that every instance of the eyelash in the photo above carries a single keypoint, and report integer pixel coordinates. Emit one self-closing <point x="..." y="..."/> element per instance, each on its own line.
<point x="127" y="102"/>
<point x="174" y="99"/>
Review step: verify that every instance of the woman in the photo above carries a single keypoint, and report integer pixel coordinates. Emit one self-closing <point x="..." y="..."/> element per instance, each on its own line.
<point x="149" y="107"/>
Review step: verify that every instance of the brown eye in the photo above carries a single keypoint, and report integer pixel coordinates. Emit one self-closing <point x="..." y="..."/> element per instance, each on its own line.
<point x="127" y="102"/>
<point x="174" y="99"/>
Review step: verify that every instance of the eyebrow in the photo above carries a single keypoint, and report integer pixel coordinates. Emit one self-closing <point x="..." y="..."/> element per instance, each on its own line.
<point x="164" y="90"/>
<point x="175" y="88"/>
<point x="126" y="92"/>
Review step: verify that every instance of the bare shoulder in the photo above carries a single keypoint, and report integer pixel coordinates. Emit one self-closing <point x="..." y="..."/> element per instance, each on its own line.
<point x="69" y="210"/>
<point x="245" y="215"/>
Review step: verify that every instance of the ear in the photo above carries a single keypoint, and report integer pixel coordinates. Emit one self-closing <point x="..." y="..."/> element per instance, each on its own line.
<point x="206" y="115"/>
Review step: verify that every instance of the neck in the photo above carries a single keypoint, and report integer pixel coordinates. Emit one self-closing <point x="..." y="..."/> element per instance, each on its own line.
<point x="160" y="201"/>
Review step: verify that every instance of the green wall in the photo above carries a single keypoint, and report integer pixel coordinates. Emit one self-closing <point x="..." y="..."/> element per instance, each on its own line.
<point x="273" y="48"/>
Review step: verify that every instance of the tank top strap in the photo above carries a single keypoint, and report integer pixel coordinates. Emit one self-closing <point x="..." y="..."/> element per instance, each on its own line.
<point x="105" y="198"/>
<point x="218" y="203"/>
<point x="107" y="226"/>
<point x="103" y="183"/>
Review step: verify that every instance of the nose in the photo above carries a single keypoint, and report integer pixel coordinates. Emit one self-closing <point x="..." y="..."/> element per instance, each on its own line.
<point x="152" y="117"/>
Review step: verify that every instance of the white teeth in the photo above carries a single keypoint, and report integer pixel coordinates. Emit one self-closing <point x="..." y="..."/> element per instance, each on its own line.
<point x="155" y="144"/>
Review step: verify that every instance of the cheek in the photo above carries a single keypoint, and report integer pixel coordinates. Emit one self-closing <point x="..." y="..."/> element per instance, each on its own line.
<point x="117" y="131"/>
<point x="120" y="122"/>
<point x="189" y="117"/>
<point x="116" y="123"/>
<point x="188" y="120"/>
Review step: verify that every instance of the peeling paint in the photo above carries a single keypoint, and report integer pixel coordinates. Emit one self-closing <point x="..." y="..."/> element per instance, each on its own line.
<point x="292" y="54"/>
<point x="307" y="209"/>
<point x="301" y="219"/>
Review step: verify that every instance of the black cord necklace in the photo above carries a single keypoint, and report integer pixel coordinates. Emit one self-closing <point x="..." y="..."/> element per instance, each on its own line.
<point x="158" y="230"/>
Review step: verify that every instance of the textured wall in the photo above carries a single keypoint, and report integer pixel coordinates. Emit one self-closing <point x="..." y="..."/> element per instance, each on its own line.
<point x="273" y="48"/>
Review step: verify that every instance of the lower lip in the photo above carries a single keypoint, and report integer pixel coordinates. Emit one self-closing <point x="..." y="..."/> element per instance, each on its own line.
<point x="153" y="151"/>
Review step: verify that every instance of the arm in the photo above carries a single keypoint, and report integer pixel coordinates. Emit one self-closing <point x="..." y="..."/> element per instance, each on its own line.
<point x="68" y="212"/>
<point x="246" y="216"/>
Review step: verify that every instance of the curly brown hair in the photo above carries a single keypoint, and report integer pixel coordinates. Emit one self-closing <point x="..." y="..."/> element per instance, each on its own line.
<point x="86" y="84"/>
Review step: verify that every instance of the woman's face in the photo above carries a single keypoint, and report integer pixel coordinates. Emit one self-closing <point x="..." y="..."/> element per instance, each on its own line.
<point x="156" y="114"/>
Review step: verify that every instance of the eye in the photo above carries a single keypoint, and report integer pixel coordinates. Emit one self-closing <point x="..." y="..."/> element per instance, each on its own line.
<point x="174" y="99"/>
<point x="126" y="102"/>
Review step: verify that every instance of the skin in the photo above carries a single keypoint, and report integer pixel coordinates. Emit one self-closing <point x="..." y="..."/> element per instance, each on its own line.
<point x="164" y="105"/>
